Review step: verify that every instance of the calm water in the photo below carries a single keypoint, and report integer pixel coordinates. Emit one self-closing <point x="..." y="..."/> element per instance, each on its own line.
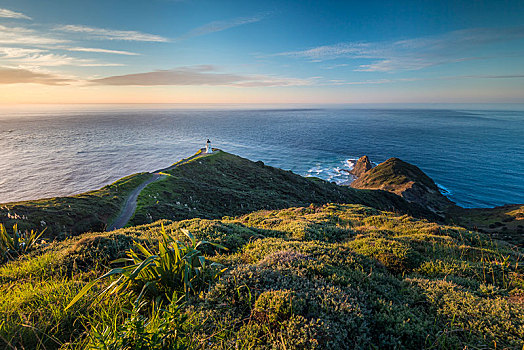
<point x="478" y="156"/>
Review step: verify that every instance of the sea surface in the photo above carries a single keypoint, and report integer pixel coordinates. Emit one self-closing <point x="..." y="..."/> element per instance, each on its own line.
<point x="476" y="156"/>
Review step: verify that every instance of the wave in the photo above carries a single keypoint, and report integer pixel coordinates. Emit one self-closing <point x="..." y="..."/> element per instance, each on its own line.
<point x="337" y="172"/>
<point x="444" y="190"/>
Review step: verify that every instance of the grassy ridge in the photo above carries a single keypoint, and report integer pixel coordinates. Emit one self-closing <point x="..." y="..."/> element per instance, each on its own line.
<point x="309" y="277"/>
<point x="90" y="211"/>
<point x="407" y="181"/>
<point x="505" y="222"/>
<point x="225" y="184"/>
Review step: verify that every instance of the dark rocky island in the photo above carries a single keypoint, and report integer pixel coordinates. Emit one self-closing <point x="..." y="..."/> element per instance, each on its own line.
<point x="363" y="164"/>
<point x="405" y="180"/>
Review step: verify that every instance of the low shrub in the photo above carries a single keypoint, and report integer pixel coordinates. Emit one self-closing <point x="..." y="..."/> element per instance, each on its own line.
<point x="18" y="243"/>
<point x="176" y="269"/>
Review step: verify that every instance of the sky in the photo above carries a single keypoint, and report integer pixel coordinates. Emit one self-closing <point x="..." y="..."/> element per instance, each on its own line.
<point x="213" y="51"/>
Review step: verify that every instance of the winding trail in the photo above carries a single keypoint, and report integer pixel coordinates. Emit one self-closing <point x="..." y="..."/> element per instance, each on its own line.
<point x="127" y="211"/>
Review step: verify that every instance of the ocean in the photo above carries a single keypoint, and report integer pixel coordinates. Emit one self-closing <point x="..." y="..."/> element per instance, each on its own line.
<point x="475" y="156"/>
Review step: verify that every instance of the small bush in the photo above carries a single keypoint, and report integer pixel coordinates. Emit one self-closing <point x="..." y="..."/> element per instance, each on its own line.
<point x="176" y="269"/>
<point x="273" y="307"/>
<point x="17" y="243"/>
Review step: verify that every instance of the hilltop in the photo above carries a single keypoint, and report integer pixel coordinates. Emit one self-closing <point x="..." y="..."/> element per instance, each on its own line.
<point x="407" y="181"/>
<point x="413" y="185"/>
<point x="225" y="184"/>
<point x="209" y="187"/>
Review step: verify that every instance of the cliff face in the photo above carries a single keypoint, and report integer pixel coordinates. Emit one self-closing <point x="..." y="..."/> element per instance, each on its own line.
<point x="363" y="165"/>
<point x="407" y="181"/>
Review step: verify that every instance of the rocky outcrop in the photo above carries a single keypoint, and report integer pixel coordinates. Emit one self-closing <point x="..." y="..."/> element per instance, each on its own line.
<point x="363" y="165"/>
<point x="407" y="181"/>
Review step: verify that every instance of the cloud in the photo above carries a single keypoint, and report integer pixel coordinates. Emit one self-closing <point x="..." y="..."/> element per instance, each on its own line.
<point x="329" y="52"/>
<point x="20" y="76"/>
<point x="369" y="82"/>
<point x="12" y="14"/>
<point x="109" y="34"/>
<point x="414" y="53"/>
<point x="43" y="58"/>
<point x="218" y="26"/>
<point x="25" y="36"/>
<point x="199" y="75"/>
<point x="88" y="49"/>
<point x="488" y="76"/>
<point x="54" y="60"/>
<point x="17" y="52"/>
<point x="335" y="66"/>
<point x="404" y="80"/>
<point x="409" y="63"/>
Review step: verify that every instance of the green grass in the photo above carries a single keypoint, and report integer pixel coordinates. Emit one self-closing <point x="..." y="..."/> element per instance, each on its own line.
<point x="395" y="172"/>
<point x="175" y="270"/>
<point x="303" y="269"/>
<point x="225" y="184"/>
<point x="63" y="216"/>
<point x="506" y="222"/>
<point x="16" y="243"/>
<point x="298" y="278"/>
<point x="407" y="181"/>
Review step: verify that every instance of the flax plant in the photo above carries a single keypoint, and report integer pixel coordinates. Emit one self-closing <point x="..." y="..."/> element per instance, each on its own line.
<point x="17" y="243"/>
<point x="177" y="269"/>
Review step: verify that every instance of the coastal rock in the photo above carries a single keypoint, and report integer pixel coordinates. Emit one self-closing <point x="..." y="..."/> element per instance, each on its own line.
<point x="407" y="181"/>
<point x="363" y="165"/>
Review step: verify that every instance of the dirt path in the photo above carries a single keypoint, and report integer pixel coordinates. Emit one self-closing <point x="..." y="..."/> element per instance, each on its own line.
<point x="127" y="211"/>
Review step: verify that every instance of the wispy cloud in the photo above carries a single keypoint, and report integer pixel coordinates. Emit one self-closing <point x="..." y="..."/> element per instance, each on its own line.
<point x="414" y="53"/>
<point x="26" y="76"/>
<point x="26" y="36"/>
<point x="44" y="58"/>
<point x="55" y="60"/>
<point x="12" y="14"/>
<point x="336" y="66"/>
<point x="329" y="52"/>
<point x="17" y="52"/>
<point x="339" y="82"/>
<point x="218" y="26"/>
<point x="200" y="75"/>
<point x="410" y="63"/>
<point x="110" y="34"/>
<point x="407" y="80"/>
<point x="89" y="49"/>
<point x="488" y="76"/>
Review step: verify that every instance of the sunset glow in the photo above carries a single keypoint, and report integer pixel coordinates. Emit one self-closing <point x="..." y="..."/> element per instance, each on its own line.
<point x="266" y="52"/>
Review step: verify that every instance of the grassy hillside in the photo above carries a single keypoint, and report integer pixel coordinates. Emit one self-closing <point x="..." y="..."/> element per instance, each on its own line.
<point x="225" y="184"/>
<point x="325" y="277"/>
<point x="90" y="211"/>
<point x="506" y="222"/>
<point x="407" y="181"/>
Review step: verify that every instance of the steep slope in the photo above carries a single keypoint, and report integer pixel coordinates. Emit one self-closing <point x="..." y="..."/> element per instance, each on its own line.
<point x="61" y="216"/>
<point x="407" y="181"/>
<point x="225" y="184"/>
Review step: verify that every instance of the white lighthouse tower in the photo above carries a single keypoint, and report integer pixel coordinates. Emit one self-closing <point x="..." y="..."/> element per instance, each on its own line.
<point x="208" y="147"/>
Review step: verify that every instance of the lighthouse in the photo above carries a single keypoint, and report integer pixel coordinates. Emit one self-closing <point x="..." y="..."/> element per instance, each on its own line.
<point x="208" y="147"/>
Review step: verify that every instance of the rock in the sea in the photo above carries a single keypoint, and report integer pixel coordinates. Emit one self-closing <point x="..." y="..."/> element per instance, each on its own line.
<point x="363" y="165"/>
<point x="407" y="181"/>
